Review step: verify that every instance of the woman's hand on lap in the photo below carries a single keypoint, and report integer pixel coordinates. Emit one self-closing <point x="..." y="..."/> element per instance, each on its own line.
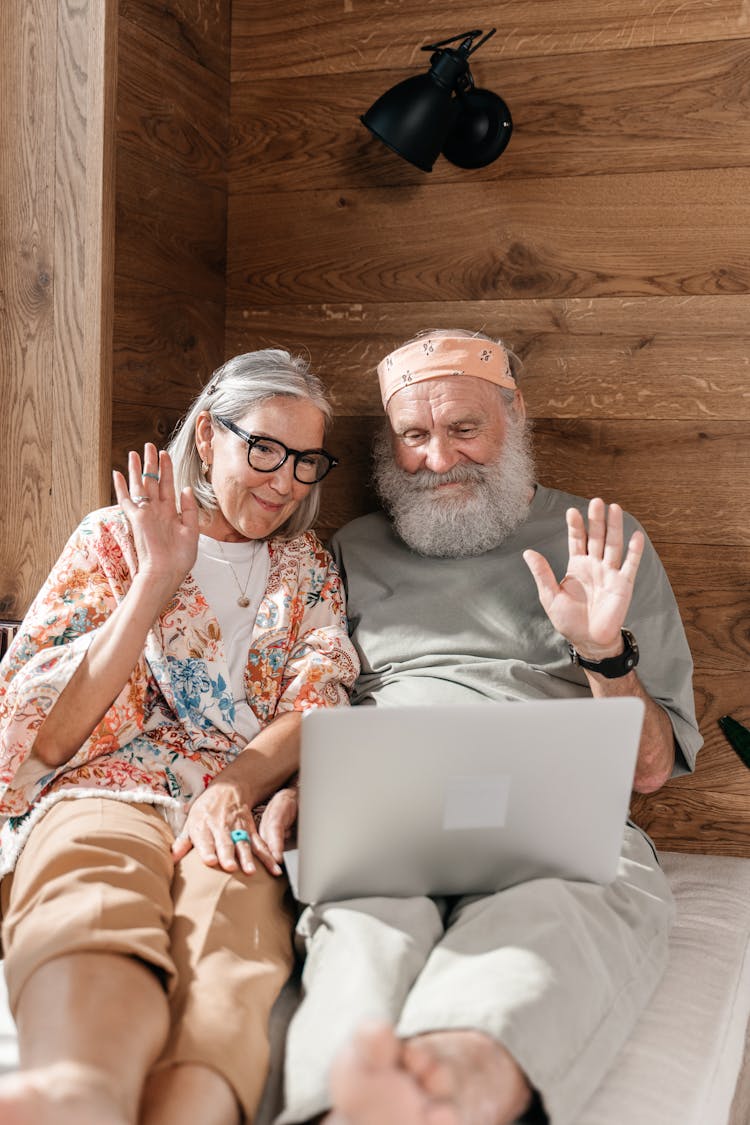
<point x="213" y="817"/>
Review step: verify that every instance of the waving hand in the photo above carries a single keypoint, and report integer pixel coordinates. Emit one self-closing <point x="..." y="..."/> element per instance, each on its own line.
<point x="588" y="607"/>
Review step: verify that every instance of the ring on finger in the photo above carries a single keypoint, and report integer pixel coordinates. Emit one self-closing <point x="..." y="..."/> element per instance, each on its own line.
<point x="240" y="836"/>
<point x="154" y="476"/>
<point x="139" y="501"/>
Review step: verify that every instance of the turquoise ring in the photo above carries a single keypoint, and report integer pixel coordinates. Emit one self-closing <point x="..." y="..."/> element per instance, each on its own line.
<point x="154" y="476"/>
<point x="240" y="836"/>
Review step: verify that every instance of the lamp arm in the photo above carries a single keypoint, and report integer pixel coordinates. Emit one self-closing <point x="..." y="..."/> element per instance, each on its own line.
<point x="469" y="35"/>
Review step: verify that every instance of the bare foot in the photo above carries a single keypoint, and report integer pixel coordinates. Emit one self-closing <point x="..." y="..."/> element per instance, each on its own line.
<point x="444" y="1078"/>
<point x="63" y="1094"/>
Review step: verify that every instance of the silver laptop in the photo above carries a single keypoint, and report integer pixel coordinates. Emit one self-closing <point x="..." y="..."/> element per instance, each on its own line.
<point x="462" y="799"/>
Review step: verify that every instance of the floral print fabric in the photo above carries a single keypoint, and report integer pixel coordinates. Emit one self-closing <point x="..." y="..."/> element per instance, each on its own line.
<point x="169" y="732"/>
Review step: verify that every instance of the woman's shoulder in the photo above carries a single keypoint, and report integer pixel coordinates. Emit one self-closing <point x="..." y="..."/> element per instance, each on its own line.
<point x="304" y="547"/>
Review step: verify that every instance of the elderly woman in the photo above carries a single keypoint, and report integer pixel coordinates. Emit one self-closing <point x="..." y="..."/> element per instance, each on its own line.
<point x="149" y="703"/>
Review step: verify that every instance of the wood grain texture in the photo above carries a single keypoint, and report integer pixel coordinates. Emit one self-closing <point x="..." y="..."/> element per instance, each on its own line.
<point x="199" y="29"/>
<point x="179" y="123"/>
<point x="133" y="424"/>
<point x="84" y="255"/>
<point x="643" y="358"/>
<point x="58" y="111"/>
<point x="327" y="38"/>
<point x="708" y="811"/>
<point x="166" y="344"/>
<point x="672" y="233"/>
<point x="27" y="137"/>
<point x="171" y="230"/>
<point x="573" y="115"/>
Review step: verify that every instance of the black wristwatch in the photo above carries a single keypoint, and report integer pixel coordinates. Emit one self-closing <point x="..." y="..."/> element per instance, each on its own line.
<point x="613" y="666"/>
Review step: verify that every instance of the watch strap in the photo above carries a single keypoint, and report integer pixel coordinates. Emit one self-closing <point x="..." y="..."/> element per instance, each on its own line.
<point x="612" y="667"/>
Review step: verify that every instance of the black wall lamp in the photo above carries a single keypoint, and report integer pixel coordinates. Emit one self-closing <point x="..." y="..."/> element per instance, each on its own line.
<point x="443" y="111"/>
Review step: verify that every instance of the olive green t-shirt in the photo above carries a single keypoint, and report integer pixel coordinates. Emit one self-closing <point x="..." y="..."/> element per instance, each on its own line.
<point x="434" y="630"/>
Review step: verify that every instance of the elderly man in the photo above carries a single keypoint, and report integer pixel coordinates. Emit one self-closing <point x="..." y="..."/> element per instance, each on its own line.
<point x="497" y="1006"/>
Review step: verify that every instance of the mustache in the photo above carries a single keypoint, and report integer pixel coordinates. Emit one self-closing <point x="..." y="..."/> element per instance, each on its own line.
<point x="424" y="480"/>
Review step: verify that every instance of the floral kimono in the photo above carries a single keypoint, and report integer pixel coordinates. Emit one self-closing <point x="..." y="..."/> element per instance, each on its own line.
<point x="169" y="732"/>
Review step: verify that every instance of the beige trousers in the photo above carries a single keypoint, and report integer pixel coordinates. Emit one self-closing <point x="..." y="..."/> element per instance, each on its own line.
<point x="557" y="971"/>
<point x="97" y="875"/>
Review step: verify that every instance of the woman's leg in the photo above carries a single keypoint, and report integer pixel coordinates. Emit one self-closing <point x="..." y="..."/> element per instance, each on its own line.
<point x="90" y="1025"/>
<point x="85" y="919"/>
<point x="231" y="941"/>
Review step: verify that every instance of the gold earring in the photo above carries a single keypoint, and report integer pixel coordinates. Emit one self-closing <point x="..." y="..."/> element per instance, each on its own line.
<point x="205" y="467"/>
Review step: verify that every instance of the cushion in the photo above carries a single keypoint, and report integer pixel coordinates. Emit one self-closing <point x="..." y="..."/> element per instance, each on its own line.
<point x="683" y="1061"/>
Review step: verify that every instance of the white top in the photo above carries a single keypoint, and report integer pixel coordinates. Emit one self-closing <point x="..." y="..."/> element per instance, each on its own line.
<point x="226" y="572"/>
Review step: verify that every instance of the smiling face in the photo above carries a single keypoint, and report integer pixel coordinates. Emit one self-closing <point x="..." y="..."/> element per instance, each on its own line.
<point x="253" y="505"/>
<point x="440" y="423"/>
<point x="454" y="469"/>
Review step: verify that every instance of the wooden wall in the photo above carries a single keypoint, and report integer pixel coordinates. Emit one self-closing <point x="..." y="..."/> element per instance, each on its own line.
<point x="57" y="81"/>
<point x="171" y="191"/>
<point x="609" y="245"/>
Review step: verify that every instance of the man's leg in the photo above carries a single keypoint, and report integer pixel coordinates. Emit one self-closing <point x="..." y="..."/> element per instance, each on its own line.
<point x="552" y="974"/>
<point x="362" y="958"/>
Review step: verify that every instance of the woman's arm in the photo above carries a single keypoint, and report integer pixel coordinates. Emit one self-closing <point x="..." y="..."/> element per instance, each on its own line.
<point x="228" y="802"/>
<point x="166" y="544"/>
<point x="321" y="665"/>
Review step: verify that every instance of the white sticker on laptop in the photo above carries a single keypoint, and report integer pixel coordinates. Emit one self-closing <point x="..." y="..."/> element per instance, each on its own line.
<point x="476" y="801"/>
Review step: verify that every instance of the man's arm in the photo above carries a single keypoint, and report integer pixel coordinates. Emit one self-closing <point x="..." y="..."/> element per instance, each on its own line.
<point x="656" y="752"/>
<point x="589" y="606"/>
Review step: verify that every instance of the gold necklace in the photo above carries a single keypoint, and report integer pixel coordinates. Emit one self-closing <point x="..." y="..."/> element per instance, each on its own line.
<point x="243" y="600"/>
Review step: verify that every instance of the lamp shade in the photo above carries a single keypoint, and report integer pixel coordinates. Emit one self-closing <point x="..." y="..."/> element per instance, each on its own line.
<point x="481" y="131"/>
<point x="414" y="118"/>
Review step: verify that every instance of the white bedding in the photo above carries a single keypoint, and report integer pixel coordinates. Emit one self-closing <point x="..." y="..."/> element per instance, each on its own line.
<point x="682" y="1064"/>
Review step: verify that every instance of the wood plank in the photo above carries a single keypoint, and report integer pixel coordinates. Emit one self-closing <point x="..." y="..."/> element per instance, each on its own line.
<point x="586" y="114"/>
<point x="84" y="252"/>
<point x="687" y="482"/>
<point x="679" y="819"/>
<point x="676" y="369"/>
<point x="669" y="233"/>
<point x="58" y="109"/>
<point x="171" y="230"/>
<point x="389" y="323"/>
<point x="716" y="623"/>
<point x="300" y="38"/>
<point x="181" y="122"/>
<point x="166" y="344"/>
<point x="702" y="566"/>
<point x="27" y="139"/>
<point x="198" y="29"/>
<point x="133" y="424"/>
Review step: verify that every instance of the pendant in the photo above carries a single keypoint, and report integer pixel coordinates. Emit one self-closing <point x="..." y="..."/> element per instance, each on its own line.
<point x="243" y="601"/>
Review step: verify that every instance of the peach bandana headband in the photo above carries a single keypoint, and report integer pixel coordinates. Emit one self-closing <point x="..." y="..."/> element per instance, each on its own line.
<point x="435" y="357"/>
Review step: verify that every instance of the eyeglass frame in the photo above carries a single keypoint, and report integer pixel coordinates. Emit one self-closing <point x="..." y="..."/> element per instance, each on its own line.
<point x="296" y="454"/>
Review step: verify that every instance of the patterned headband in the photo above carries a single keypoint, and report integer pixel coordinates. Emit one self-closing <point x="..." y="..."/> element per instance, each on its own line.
<point x="435" y="357"/>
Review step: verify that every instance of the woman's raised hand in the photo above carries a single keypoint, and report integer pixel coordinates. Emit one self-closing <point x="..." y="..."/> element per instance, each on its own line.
<point x="166" y="540"/>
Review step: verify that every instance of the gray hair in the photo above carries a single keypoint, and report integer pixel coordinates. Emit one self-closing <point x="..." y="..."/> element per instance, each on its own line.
<point x="235" y="388"/>
<point x="515" y="362"/>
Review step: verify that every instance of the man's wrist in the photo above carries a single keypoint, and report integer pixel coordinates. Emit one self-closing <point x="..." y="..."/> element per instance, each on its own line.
<point x="612" y="666"/>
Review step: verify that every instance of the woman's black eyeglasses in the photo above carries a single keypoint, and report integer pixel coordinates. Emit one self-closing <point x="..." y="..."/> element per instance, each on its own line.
<point x="265" y="455"/>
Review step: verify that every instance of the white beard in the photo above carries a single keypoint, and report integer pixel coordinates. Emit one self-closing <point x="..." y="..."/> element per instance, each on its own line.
<point x="465" y="521"/>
